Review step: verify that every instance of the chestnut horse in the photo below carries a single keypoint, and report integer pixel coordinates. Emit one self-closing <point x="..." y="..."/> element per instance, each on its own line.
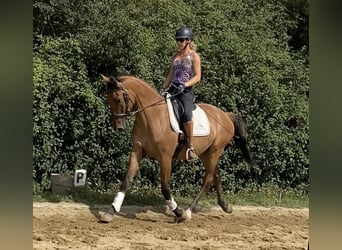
<point x="153" y="136"/>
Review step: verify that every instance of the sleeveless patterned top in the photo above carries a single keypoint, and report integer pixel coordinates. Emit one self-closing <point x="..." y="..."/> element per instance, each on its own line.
<point x="182" y="69"/>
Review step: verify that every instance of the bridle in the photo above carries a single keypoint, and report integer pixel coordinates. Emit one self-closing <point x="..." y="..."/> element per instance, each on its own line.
<point x="126" y="98"/>
<point x="128" y="113"/>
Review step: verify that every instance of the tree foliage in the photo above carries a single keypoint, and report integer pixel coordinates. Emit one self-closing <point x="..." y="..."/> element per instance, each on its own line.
<point x="254" y="62"/>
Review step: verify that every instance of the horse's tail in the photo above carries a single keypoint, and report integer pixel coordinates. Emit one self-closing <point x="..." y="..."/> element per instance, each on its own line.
<point x="240" y="136"/>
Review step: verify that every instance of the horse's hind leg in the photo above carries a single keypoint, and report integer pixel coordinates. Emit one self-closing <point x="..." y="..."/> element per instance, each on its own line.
<point x="208" y="178"/>
<point x="218" y="187"/>
<point x="209" y="162"/>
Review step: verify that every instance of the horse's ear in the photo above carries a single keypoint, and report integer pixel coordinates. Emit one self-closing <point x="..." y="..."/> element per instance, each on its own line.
<point x="111" y="80"/>
<point x="105" y="78"/>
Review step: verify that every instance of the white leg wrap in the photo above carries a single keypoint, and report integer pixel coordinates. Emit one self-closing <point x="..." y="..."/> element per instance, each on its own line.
<point x="171" y="204"/>
<point x="118" y="201"/>
<point x="187" y="214"/>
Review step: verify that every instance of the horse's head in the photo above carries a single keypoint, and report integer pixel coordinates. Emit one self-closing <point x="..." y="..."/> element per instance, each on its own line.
<point x="119" y="102"/>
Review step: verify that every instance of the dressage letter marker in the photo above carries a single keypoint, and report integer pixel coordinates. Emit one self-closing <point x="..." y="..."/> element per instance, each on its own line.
<point x="80" y="177"/>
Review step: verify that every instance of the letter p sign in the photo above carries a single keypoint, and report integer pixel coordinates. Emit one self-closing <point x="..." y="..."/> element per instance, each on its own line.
<point x="80" y="177"/>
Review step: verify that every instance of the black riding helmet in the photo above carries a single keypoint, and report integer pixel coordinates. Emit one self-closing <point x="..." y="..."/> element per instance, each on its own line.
<point x="184" y="33"/>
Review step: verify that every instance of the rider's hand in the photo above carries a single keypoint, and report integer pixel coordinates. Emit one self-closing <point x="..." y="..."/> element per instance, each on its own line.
<point x="162" y="91"/>
<point x="181" y="88"/>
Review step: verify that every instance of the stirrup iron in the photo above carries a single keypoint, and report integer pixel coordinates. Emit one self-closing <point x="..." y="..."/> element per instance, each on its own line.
<point x="190" y="154"/>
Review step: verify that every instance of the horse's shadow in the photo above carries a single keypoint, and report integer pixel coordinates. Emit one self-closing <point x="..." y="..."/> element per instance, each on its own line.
<point x="142" y="213"/>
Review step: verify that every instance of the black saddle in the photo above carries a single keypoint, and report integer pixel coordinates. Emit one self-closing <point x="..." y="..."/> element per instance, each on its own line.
<point x="178" y="109"/>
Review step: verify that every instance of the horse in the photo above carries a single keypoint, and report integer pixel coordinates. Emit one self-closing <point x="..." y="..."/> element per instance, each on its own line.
<point x="153" y="136"/>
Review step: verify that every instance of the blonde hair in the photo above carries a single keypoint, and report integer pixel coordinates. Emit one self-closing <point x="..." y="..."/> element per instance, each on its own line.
<point x="192" y="46"/>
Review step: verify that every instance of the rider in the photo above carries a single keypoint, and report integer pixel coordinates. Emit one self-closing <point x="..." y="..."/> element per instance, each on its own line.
<point x="184" y="72"/>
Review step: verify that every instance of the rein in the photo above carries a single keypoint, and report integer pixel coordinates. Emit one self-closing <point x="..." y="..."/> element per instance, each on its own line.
<point x="133" y="113"/>
<point x="128" y="112"/>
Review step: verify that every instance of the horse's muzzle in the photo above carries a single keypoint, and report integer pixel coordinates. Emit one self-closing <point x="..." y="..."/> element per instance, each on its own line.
<point x="119" y="124"/>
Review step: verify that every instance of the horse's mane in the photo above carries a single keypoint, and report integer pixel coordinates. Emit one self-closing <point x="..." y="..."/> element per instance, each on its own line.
<point x="136" y="79"/>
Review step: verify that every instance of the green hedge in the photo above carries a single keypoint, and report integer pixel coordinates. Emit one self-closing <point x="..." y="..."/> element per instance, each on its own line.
<point x="248" y="65"/>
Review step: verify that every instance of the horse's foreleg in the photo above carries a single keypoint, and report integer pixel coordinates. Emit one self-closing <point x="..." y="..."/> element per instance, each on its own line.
<point x="165" y="173"/>
<point x="218" y="187"/>
<point x="133" y="166"/>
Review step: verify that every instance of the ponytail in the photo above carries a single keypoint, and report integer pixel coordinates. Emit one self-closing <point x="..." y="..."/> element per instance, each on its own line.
<point x="193" y="46"/>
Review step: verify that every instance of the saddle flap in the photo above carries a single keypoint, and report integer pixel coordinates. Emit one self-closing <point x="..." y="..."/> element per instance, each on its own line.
<point x="200" y="120"/>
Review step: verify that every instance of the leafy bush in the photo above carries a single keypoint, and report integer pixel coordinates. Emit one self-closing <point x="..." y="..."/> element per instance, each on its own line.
<point x="251" y="65"/>
<point x="70" y="121"/>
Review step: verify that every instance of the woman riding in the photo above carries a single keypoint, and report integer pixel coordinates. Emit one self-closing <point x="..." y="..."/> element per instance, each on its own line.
<point x="184" y="73"/>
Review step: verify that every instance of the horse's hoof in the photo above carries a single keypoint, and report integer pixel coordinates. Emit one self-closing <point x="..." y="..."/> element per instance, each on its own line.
<point x="178" y="212"/>
<point x="228" y="209"/>
<point x="178" y="219"/>
<point x="106" y="218"/>
<point x="186" y="216"/>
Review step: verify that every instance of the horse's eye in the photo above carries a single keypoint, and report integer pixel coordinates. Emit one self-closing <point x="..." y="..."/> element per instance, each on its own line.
<point x="116" y="99"/>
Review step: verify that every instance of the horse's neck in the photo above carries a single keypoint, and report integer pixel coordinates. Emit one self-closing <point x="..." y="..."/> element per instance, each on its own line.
<point x="152" y="118"/>
<point x="144" y="95"/>
<point x="150" y="102"/>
